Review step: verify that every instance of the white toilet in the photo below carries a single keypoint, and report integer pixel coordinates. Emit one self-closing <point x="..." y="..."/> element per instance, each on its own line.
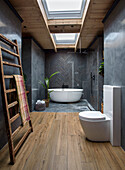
<point x="95" y="125"/>
<point x="107" y="126"/>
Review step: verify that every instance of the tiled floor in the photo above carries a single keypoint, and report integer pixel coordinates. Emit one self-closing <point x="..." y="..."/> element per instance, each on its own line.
<point x="82" y="105"/>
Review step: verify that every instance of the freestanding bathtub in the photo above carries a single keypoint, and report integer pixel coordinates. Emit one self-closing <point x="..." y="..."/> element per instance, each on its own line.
<point x="65" y="95"/>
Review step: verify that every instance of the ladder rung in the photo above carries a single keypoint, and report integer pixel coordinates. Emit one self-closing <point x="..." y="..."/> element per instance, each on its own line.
<point x="10" y="90"/>
<point x="15" y="132"/>
<point x="14" y="117"/>
<point x="7" y="40"/>
<point x="8" y="76"/>
<point x="9" y="52"/>
<point x="12" y="104"/>
<point x="21" y="141"/>
<point x="11" y="64"/>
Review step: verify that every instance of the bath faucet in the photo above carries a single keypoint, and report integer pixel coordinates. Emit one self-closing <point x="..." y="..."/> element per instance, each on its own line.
<point x="65" y="86"/>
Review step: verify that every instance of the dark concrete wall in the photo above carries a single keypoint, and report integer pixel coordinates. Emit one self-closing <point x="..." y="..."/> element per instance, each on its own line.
<point x="34" y="69"/>
<point x="114" y="54"/>
<point x="94" y="87"/>
<point x="26" y="62"/>
<point x="84" y="64"/>
<point x="38" y="73"/>
<point x="10" y="26"/>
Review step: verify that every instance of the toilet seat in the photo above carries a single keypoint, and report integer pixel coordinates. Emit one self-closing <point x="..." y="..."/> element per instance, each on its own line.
<point x="92" y="115"/>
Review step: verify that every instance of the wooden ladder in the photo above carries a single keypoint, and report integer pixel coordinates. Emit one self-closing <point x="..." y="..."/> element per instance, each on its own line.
<point x="7" y="106"/>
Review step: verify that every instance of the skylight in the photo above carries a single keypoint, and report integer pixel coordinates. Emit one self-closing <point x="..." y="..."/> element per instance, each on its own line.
<point x="64" y="9"/>
<point x="69" y="37"/>
<point x="65" y="38"/>
<point x="64" y="5"/>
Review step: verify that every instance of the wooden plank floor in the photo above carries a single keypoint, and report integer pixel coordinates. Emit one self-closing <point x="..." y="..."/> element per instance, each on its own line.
<point x="58" y="143"/>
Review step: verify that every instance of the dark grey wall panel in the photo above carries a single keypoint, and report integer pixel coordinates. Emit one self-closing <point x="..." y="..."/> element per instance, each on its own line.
<point x="26" y="61"/>
<point x="34" y="69"/>
<point x="10" y="26"/>
<point x="38" y="73"/>
<point x="114" y="54"/>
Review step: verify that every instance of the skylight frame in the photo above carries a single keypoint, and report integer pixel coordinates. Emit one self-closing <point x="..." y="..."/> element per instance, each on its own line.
<point x="72" y="14"/>
<point x="63" y="42"/>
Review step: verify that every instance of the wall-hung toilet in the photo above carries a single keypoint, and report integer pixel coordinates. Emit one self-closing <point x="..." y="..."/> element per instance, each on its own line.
<point x="107" y="126"/>
<point x="96" y="125"/>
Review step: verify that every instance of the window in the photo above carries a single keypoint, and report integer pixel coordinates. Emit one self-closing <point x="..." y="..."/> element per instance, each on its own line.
<point x="64" y="9"/>
<point x="63" y="5"/>
<point x="65" y="38"/>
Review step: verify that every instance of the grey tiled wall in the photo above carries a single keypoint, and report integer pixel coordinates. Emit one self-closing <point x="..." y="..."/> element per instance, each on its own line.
<point x="62" y="62"/>
<point x="114" y="54"/>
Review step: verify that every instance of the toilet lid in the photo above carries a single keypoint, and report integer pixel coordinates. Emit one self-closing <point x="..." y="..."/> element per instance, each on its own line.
<point x="92" y="115"/>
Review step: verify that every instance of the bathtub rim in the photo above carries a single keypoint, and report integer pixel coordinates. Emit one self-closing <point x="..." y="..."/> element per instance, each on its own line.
<point x="65" y="89"/>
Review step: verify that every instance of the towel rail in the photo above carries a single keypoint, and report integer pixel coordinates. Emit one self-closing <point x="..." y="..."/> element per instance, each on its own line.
<point x="12" y="150"/>
<point x="12" y="104"/>
<point x="4" y="39"/>
<point x="14" y="117"/>
<point x="11" y="64"/>
<point x="9" y="52"/>
<point x="10" y="90"/>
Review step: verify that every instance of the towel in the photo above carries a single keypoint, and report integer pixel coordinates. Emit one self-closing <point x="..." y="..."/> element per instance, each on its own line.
<point x="40" y="102"/>
<point x="22" y="98"/>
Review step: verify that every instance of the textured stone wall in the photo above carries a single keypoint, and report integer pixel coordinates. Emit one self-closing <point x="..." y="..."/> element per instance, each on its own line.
<point x="94" y="86"/>
<point x="10" y="26"/>
<point x="114" y="54"/>
<point x="38" y="73"/>
<point x="34" y="69"/>
<point x="63" y="61"/>
<point x="26" y="62"/>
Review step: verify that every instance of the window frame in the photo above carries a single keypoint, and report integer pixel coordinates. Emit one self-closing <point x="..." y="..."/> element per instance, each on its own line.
<point x="65" y="41"/>
<point x="72" y="14"/>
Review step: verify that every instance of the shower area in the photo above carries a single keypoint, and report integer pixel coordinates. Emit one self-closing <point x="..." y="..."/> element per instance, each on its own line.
<point x="77" y="70"/>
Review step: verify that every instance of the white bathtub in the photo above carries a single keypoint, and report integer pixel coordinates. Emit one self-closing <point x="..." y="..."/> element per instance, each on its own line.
<point x="66" y="95"/>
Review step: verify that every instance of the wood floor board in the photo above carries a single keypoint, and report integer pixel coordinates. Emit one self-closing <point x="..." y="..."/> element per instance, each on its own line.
<point x="100" y="159"/>
<point x="40" y="142"/>
<point x="58" y="142"/>
<point x="90" y="166"/>
<point x="60" y="162"/>
<point x="115" y="156"/>
<point x="71" y="121"/>
<point x="61" y="148"/>
<point x="74" y="159"/>
<point x="50" y="149"/>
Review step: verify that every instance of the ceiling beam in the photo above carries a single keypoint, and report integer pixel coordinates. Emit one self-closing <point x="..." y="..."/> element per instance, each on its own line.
<point x="83" y="20"/>
<point x="45" y="19"/>
<point x="65" y="46"/>
<point x="65" y="22"/>
<point x="64" y="28"/>
<point x="65" y="25"/>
